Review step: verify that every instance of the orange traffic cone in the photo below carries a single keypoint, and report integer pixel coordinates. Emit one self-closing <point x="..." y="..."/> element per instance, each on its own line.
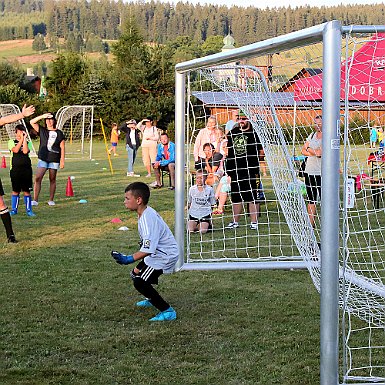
<point x="69" y="190"/>
<point x="3" y="163"/>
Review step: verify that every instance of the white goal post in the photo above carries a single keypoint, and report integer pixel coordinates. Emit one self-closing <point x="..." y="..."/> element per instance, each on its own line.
<point x="77" y="124"/>
<point x="8" y="130"/>
<point x="343" y="257"/>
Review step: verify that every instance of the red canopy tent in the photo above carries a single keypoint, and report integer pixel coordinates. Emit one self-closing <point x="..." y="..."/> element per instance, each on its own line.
<point x="366" y="71"/>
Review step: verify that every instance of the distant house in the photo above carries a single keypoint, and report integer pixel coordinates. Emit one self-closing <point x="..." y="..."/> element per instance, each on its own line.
<point x="32" y="82"/>
<point x="304" y="73"/>
<point x="221" y="105"/>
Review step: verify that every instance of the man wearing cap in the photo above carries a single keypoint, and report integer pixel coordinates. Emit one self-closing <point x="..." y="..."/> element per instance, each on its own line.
<point x="244" y="149"/>
<point x="150" y="138"/>
<point x="132" y="144"/>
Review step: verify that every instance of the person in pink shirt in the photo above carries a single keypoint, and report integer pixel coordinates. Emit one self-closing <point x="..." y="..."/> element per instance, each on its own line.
<point x="210" y="134"/>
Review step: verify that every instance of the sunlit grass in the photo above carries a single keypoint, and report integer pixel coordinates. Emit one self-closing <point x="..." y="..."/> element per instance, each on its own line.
<point x="68" y="313"/>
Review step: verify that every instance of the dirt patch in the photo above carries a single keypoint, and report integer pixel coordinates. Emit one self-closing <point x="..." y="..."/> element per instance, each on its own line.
<point x="15" y="43"/>
<point x="33" y="59"/>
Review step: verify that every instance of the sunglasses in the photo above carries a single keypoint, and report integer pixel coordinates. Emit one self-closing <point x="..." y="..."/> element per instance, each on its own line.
<point x="242" y="119"/>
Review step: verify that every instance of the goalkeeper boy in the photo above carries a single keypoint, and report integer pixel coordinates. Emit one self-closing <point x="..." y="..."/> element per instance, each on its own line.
<point x="158" y="252"/>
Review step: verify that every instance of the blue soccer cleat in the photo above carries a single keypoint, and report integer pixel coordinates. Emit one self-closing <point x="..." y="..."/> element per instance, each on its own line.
<point x="13" y="212"/>
<point x="167" y="315"/>
<point x="31" y="214"/>
<point x="144" y="303"/>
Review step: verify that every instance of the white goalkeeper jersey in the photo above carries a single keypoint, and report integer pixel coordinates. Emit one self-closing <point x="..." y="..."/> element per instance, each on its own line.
<point x="157" y="239"/>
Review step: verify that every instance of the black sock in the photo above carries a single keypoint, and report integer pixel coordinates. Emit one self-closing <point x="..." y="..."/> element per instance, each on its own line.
<point x="6" y="218"/>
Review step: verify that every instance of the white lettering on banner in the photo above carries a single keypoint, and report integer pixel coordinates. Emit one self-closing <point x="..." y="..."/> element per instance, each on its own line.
<point x="350" y="193"/>
<point x="379" y="64"/>
<point x="367" y="90"/>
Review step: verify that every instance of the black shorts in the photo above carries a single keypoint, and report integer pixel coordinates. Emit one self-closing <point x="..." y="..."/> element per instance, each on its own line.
<point x="313" y="187"/>
<point x="146" y="273"/>
<point x="21" y="179"/>
<point x="1" y="189"/>
<point x="247" y="189"/>
<point x="206" y="219"/>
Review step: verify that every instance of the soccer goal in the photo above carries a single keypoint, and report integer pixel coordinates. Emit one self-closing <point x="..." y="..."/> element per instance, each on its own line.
<point x="8" y="130"/>
<point x="77" y="124"/>
<point x="282" y="85"/>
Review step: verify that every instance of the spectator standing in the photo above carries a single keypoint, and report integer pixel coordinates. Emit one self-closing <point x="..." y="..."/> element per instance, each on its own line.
<point x="4" y="212"/>
<point x="114" y="139"/>
<point x="150" y="138"/>
<point x="313" y="150"/>
<point x="21" y="170"/>
<point x="210" y="134"/>
<point x="242" y="165"/>
<point x="373" y="137"/>
<point x="51" y="154"/>
<point x="132" y="144"/>
<point x="165" y="160"/>
<point x="380" y="135"/>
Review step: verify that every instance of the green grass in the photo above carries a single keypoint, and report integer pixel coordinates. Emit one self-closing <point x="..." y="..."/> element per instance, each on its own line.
<point x="68" y="311"/>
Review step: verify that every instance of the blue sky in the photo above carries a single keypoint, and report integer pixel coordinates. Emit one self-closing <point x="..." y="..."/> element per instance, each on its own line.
<point x="278" y="3"/>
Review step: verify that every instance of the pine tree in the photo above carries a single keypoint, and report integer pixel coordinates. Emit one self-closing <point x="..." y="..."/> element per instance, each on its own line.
<point x="38" y="43"/>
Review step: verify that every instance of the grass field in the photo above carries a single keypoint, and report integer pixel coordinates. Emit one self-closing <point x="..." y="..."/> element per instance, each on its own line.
<point x="68" y="310"/>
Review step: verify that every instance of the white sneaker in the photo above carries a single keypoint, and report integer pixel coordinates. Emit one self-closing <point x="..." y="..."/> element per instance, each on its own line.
<point x="153" y="184"/>
<point x="148" y="176"/>
<point x="34" y="203"/>
<point x="232" y="225"/>
<point x="130" y="174"/>
<point x="51" y="203"/>
<point x="254" y="225"/>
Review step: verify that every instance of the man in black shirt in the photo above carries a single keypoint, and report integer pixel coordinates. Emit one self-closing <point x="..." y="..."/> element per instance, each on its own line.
<point x="242" y="165"/>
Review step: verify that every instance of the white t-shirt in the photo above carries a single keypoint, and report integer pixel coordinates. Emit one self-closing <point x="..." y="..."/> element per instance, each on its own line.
<point x="313" y="163"/>
<point x="201" y="201"/>
<point x="132" y="137"/>
<point x="157" y="239"/>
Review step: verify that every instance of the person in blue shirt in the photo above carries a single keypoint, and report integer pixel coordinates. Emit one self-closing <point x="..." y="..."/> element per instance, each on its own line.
<point x="373" y="137"/>
<point x="165" y="160"/>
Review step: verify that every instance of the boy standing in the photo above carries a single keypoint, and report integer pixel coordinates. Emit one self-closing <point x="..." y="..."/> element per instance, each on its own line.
<point x="158" y="252"/>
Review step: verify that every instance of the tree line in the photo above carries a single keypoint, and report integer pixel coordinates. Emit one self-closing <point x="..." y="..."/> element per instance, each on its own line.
<point x="137" y="81"/>
<point x="161" y="22"/>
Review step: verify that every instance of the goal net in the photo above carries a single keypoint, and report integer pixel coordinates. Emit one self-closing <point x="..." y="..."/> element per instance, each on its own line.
<point x="8" y="130"/>
<point x="280" y="94"/>
<point x="77" y="123"/>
